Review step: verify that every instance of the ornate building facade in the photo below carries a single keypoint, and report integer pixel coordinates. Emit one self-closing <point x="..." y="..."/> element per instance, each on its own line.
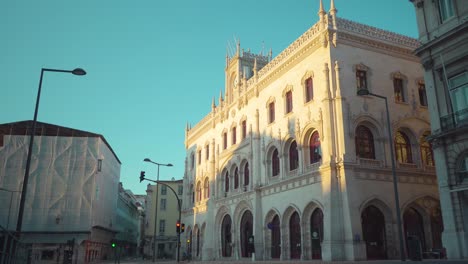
<point x="443" y="33"/>
<point x="293" y="164"/>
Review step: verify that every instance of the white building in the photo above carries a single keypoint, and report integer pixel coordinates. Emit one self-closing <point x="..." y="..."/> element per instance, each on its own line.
<point x="443" y="33"/>
<point x="72" y="190"/>
<point x="293" y="157"/>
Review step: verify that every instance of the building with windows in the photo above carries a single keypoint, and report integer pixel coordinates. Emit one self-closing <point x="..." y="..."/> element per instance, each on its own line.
<point x="167" y="216"/>
<point x="443" y="33"/>
<point x="293" y="164"/>
<point x="72" y="191"/>
<point x="127" y="224"/>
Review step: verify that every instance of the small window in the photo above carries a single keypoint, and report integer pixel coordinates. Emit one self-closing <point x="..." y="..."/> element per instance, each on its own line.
<point x="309" y="89"/>
<point x="192" y="160"/>
<point x="459" y="92"/>
<point x="246" y="174"/>
<point x="289" y="102"/>
<point x="206" y="189"/>
<point x="163" y="204"/>
<point x="99" y="164"/>
<point x="446" y="10"/>
<point x="180" y="189"/>
<point x="398" y="90"/>
<point x="163" y="189"/>
<point x="315" y="151"/>
<point x="207" y="151"/>
<point x="236" y="178"/>
<point x="224" y="140"/>
<point x="293" y="156"/>
<point x="275" y="164"/>
<point x="271" y="112"/>
<point x="234" y="135"/>
<point x="422" y="94"/>
<point x="361" y="79"/>
<point x="199" y="191"/>
<point x="226" y="182"/>
<point x="244" y="129"/>
<point x="199" y="157"/>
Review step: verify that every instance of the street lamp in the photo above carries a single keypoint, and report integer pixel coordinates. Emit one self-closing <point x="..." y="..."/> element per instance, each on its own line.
<point x="363" y="92"/>
<point x="77" y="71"/>
<point x="156" y="204"/>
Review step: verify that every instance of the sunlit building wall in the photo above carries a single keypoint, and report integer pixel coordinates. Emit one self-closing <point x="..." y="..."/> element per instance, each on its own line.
<point x="72" y="190"/>
<point x="443" y="33"/>
<point x="291" y="157"/>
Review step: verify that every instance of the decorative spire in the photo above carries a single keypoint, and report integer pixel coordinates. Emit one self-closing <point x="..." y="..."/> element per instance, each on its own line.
<point x="213" y="105"/>
<point x="255" y="67"/>
<point x="332" y="6"/>
<point x="333" y="12"/>
<point x="321" y="11"/>
<point x="238" y="48"/>
<point x="220" y="97"/>
<point x="270" y="54"/>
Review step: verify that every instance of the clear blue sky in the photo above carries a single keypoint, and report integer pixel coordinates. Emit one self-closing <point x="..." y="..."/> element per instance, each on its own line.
<point x="152" y="65"/>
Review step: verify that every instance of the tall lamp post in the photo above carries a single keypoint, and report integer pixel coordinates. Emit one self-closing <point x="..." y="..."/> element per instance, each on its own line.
<point x="77" y="71"/>
<point x="363" y="92"/>
<point x="156" y="204"/>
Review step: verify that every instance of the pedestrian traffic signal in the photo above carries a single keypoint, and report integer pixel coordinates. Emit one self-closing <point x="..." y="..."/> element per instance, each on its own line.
<point x="182" y="228"/>
<point x="142" y="176"/>
<point x="113" y="245"/>
<point x="178" y="227"/>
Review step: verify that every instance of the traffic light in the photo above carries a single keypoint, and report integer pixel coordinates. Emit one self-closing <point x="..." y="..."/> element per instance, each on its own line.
<point x="178" y="227"/>
<point x="142" y="176"/>
<point x="182" y="228"/>
<point x="113" y="245"/>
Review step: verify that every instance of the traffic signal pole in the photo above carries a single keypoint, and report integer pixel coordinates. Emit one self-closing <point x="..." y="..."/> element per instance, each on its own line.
<point x="178" y="203"/>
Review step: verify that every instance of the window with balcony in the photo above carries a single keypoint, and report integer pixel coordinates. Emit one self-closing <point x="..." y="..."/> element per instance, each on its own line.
<point x="403" y="148"/>
<point x="459" y="92"/>
<point x="446" y="10"/>
<point x="364" y="141"/>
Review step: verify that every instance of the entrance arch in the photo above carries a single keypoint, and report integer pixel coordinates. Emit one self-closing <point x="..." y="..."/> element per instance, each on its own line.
<point x="414" y="228"/>
<point x="295" y="236"/>
<point x="226" y="237"/>
<point x="373" y="232"/>
<point x="275" y="238"/>
<point x="316" y="229"/>
<point x="246" y="228"/>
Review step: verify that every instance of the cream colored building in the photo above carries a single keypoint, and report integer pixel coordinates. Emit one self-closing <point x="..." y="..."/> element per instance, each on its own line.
<point x="292" y="157"/>
<point x="443" y="33"/>
<point x="167" y="216"/>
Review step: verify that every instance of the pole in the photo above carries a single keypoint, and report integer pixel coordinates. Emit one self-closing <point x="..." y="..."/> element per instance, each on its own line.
<point x="395" y="183"/>
<point x="155" y="251"/>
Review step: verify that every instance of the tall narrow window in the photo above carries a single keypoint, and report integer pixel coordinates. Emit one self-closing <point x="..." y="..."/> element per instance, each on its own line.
<point x="236" y="178"/>
<point x="275" y="164"/>
<point x="163" y="204"/>
<point x="446" y="9"/>
<point x="293" y="156"/>
<point x="226" y="182"/>
<point x="199" y="192"/>
<point x="244" y="129"/>
<point x="398" y="90"/>
<point x="192" y="160"/>
<point x="192" y="193"/>
<point x="403" y="148"/>
<point x="422" y="94"/>
<point x="163" y="190"/>
<point x="207" y="152"/>
<point x="234" y="135"/>
<point x="289" y="102"/>
<point x="199" y="157"/>
<point x="162" y="226"/>
<point x="224" y="140"/>
<point x="246" y="174"/>
<point x="309" y="89"/>
<point x="271" y="112"/>
<point x="361" y="79"/>
<point x="314" y="148"/>
<point x="426" y="151"/>
<point x="206" y="189"/>
<point x="364" y="143"/>
<point x="180" y="190"/>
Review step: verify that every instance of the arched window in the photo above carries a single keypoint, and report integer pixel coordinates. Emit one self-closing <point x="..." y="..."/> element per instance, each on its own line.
<point x="275" y="166"/>
<point x="199" y="194"/>
<point x="426" y="151"/>
<point x="314" y="148"/>
<point x="364" y="143"/>
<point x="236" y="178"/>
<point x="192" y="193"/>
<point x="226" y="182"/>
<point x="206" y="189"/>
<point x="246" y="174"/>
<point x="293" y="156"/>
<point x="403" y="148"/>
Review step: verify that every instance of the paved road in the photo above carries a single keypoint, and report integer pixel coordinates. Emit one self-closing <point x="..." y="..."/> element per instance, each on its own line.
<point x="291" y="262"/>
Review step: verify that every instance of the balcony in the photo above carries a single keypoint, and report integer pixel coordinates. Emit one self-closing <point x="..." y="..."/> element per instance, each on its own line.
<point x="455" y="120"/>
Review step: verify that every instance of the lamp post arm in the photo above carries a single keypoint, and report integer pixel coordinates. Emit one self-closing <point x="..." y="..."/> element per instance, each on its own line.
<point x="55" y="70"/>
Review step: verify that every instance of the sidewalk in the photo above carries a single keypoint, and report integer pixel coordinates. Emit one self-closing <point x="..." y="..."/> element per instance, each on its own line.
<point x="428" y="261"/>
